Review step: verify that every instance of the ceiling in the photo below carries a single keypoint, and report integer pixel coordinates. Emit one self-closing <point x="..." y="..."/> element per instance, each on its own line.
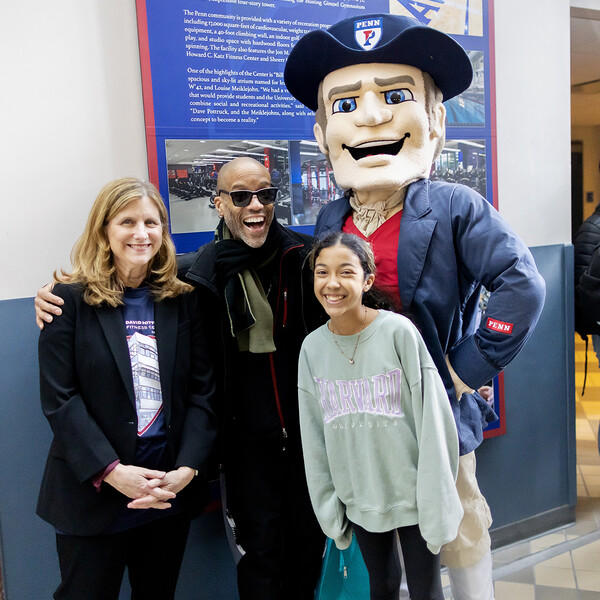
<point x="585" y="67"/>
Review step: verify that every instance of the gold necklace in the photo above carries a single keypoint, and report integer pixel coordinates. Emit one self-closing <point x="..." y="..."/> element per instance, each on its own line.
<point x="350" y="359"/>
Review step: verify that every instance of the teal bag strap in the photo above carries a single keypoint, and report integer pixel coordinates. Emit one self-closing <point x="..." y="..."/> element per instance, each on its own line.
<point x="343" y="568"/>
<point x="346" y="557"/>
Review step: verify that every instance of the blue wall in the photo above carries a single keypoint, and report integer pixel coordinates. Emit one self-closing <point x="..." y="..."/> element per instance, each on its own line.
<point x="527" y="475"/>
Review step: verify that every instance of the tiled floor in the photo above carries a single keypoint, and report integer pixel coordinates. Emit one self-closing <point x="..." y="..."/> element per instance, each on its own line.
<point x="564" y="564"/>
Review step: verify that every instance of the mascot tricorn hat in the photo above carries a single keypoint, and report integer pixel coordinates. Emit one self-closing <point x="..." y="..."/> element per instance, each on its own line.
<point x="378" y="38"/>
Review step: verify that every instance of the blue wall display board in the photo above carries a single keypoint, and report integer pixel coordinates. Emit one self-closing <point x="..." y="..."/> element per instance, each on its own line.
<point x="212" y="74"/>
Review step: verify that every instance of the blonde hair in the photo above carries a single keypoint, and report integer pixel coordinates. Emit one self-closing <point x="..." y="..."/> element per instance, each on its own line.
<point x="92" y="258"/>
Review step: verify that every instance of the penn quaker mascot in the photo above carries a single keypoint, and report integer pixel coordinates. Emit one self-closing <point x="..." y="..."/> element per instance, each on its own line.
<point x="377" y="84"/>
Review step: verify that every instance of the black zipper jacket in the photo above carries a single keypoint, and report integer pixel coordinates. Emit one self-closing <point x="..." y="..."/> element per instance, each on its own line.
<point x="259" y="391"/>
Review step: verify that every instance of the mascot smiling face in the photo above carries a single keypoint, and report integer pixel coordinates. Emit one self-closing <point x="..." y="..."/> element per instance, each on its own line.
<point x="375" y="126"/>
<point x="377" y="84"/>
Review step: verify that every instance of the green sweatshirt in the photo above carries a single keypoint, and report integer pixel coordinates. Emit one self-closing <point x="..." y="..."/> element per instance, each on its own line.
<point x="379" y="439"/>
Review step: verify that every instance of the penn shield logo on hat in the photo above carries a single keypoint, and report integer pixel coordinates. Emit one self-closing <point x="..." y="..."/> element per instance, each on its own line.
<point x="367" y="33"/>
<point x="378" y="38"/>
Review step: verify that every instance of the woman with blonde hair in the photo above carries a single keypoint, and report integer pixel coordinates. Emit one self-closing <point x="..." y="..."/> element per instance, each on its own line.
<point x="126" y="384"/>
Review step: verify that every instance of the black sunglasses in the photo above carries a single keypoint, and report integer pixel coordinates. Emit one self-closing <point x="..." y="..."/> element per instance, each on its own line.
<point x="241" y="198"/>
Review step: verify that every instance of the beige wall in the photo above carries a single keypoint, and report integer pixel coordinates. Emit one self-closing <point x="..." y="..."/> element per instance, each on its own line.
<point x="71" y="119"/>
<point x="533" y="104"/>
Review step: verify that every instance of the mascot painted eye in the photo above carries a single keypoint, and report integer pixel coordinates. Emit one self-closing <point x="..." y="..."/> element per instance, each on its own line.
<point x="345" y="105"/>
<point x="398" y="96"/>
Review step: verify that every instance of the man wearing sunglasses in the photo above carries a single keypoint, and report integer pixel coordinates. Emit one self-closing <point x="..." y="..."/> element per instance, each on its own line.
<point x="253" y="276"/>
<point x="252" y="279"/>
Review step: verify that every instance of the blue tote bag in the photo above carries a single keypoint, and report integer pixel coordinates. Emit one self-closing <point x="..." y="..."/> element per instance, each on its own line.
<point x="344" y="575"/>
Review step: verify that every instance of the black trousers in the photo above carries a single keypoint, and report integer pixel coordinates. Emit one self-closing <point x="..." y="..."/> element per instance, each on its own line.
<point x="381" y="559"/>
<point x="282" y="542"/>
<point x="92" y="567"/>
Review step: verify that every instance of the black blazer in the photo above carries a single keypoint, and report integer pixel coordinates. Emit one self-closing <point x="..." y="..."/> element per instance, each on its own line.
<point x="87" y="395"/>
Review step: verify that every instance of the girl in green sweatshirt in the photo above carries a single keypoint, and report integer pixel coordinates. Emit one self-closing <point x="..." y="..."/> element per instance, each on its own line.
<point x="378" y="436"/>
